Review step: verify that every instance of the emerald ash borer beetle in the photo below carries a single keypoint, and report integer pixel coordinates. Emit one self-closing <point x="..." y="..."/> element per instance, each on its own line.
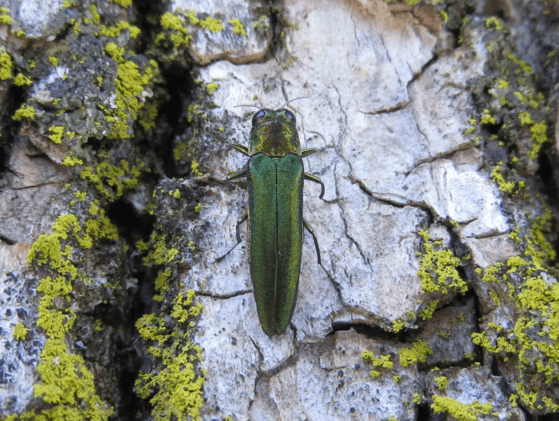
<point x="275" y="175"/>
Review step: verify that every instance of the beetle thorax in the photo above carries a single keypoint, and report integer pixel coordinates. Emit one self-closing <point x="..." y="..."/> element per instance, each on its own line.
<point x="275" y="138"/>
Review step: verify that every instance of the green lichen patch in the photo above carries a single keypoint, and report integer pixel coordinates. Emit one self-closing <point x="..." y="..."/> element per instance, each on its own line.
<point x="511" y="122"/>
<point x="175" y="388"/>
<point x="112" y="180"/>
<point x="56" y="133"/>
<point x="530" y="341"/>
<point x="25" y="111"/>
<point x="123" y="3"/>
<point x="66" y="384"/>
<point x="115" y="31"/>
<point x="458" y="410"/>
<point x="159" y="254"/>
<point x="22" y="80"/>
<point x="175" y="37"/>
<point x="5" y="66"/>
<point x="442" y="382"/>
<point x="505" y="186"/>
<point x="20" y="332"/>
<point x="132" y="83"/>
<point x="383" y="362"/>
<point x="238" y="27"/>
<point x="428" y="312"/>
<point x="5" y="18"/>
<point x="417" y="353"/>
<point x="438" y="268"/>
<point x="212" y="87"/>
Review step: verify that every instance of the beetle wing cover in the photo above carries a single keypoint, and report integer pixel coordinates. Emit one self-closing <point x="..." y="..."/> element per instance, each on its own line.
<point x="290" y="175"/>
<point x="262" y="214"/>
<point x="276" y="230"/>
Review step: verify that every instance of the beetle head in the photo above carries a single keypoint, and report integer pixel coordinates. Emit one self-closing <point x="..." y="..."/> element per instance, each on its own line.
<point x="274" y="133"/>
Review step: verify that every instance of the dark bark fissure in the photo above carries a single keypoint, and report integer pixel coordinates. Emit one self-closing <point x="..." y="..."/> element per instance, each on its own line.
<point x="9" y="128"/>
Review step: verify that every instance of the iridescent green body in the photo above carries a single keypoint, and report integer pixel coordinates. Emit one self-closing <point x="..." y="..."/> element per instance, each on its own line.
<point x="275" y="176"/>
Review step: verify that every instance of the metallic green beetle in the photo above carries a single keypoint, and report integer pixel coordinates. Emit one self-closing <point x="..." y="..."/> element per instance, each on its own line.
<point x="275" y="177"/>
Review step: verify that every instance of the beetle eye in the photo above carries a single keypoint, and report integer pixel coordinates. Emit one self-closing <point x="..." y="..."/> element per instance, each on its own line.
<point x="290" y="115"/>
<point x="257" y="116"/>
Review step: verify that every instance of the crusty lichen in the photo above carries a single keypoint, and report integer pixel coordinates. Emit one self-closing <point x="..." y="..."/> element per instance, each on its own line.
<point x="123" y="3"/>
<point x="176" y="390"/>
<point x="212" y="24"/>
<point x="442" y="382"/>
<point x="417" y="353"/>
<point x="211" y="87"/>
<point x="22" y="80"/>
<point x="132" y="86"/>
<point x="66" y="382"/>
<point x="159" y="254"/>
<point x="115" y="31"/>
<point x="112" y="180"/>
<point x="238" y="27"/>
<point x="458" y="410"/>
<point x="20" y="332"/>
<point x="532" y="337"/>
<point x="384" y="362"/>
<point x="25" y="111"/>
<point x="5" y="66"/>
<point x="428" y="312"/>
<point x="56" y="133"/>
<point x="438" y="268"/>
<point x="5" y="18"/>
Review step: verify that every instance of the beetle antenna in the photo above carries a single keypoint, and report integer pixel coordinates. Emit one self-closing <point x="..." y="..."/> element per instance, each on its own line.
<point x="294" y="99"/>
<point x="247" y="105"/>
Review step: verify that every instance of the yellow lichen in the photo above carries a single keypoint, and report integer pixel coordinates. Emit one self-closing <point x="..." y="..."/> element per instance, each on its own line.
<point x="437" y="268"/>
<point x="25" y="111"/>
<point x="176" y="389"/>
<point x="530" y="340"/>
<point x="418" y="353"/>
<point x="458" y="410"/>
<point x="442" y="382"/>
<point x="194" y="168"/>
<point x="20" y="332"/>
<point x="5" y="18"/>
<point x="383" y="362"/>
<point x="238" y="27"/>
<point x="504" y="186"/>
<point x="57" y="133"/>
<point x="427" y="313"/>
<point x="123" y="3"/>
<point x="66" y="382"/>
<point x="5" y="66"/>
<point x="71" y="161"/>
<point x="21" y="80"/>
<point x="486" y="118"/>
<point x="131" y="85"/>
<point x="539" y="137"/>
<point x="494" y="23"/>
<point x="114" y="31"/>
<point x="174" y="23"/>
<point x="95" y="13"/>
<point x="211" y="87"/>
<point x="212" y="24"/>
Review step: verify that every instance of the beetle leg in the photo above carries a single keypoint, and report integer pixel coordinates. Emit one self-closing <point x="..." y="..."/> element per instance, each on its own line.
<point x="307" y="152"/>
<point x="241" y="219"/>
<point x="242" y="149"/>
<point x="237" y="174"/>
<point x="311" y="177"/>
<point x="309" y="229"/>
